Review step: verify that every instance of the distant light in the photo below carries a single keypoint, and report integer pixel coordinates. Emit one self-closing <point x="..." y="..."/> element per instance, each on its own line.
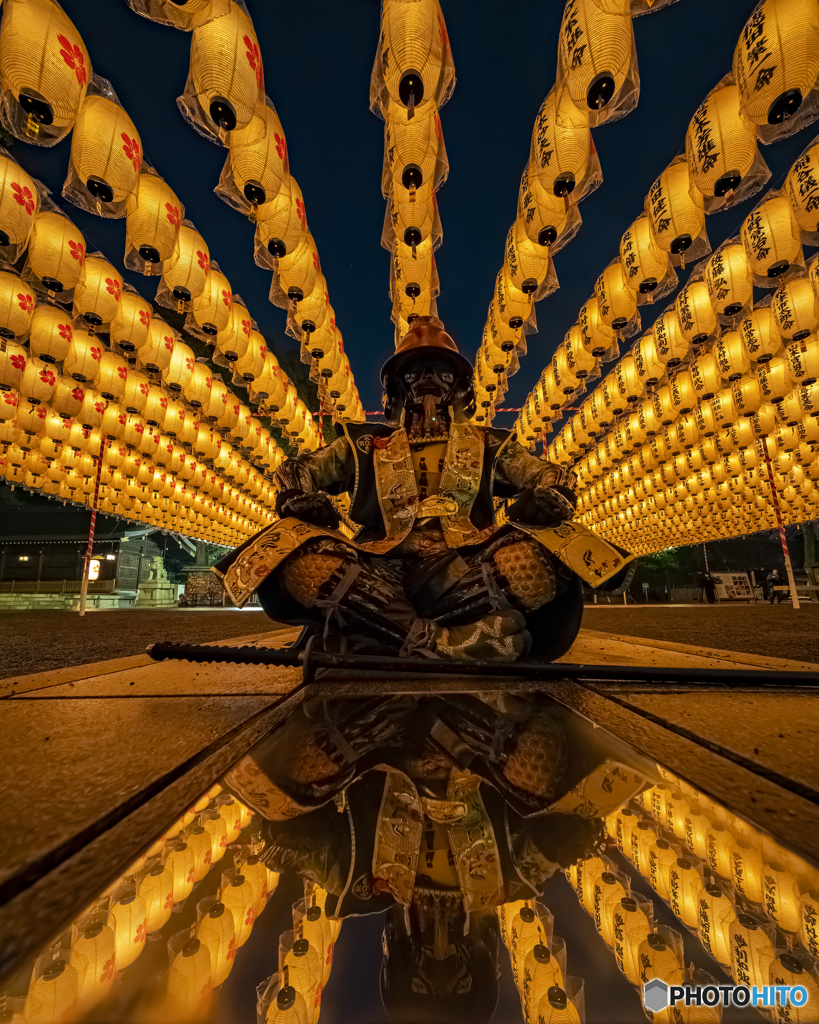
<point x="94" y="569"/>
<point x="23" y="558"/>
<point x="110" y="558"/>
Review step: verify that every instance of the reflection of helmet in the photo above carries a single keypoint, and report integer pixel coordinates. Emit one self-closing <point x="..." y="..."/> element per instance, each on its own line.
<point x="427" y="339"/>
<point x="463" y="987"/>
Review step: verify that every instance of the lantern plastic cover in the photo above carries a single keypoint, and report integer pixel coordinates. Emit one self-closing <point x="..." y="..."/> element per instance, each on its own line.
<point x="187" y="18"/>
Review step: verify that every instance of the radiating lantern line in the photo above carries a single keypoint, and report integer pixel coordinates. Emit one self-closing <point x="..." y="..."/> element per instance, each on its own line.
<point x="783" y="540"/>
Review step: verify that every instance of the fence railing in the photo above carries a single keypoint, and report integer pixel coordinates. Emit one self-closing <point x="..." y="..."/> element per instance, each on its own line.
<point x="55" y="586"/>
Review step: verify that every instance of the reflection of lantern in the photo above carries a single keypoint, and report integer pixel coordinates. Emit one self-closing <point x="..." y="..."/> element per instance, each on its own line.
<point x="94" y="958"/>
<point x="258" y="157"/>
<point x="19" y="203"/>
<point x="717" y="913"/>
<point x="728" y="277"/>
<point x="631" y="928"/>
<point x="751" y="952"/>
<point x="660" y="959"/>
<point x="771" y="238"/>
<point x="594" y="51"/>
<point x="106" y="150"/>
<point x="226" y="69"/>
<point x="616" y="301"/>
<point x="156" y="889"/>
<point x="97" y="295"/>
<point x="675" y="210"/>
<point x="774" y="78"/>
<point x="189" y="978"/>
<point x="128" y="916"/>
<point x="53" y="994"/>
<point x="153" y="219"/>
<point x="643" y="262"/>
<point x="780" y="896"/>
<point x="216" y="931"/>
<point x="187" y="270"/>
<point x="44" y="63"/>
<point x="561" y="144"/>
<point x="238" y="898"/>
<point x="720" y="145"/>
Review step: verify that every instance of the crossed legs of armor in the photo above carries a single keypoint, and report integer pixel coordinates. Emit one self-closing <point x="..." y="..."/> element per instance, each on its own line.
<point x="472" y="609"/>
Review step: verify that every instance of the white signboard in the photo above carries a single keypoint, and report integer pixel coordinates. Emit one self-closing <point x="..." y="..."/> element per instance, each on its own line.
<point x="734" y="586"/>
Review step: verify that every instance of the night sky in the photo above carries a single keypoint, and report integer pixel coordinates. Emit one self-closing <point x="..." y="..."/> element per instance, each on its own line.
<point x="317" y="57"/>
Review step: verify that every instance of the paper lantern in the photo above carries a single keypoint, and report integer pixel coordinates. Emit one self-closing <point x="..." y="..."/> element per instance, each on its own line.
<point x="661" y="859"/>
<point x="238" y="898"/>
<point x="53" y="995"/>
<point x="760" y="336"/>
<point x="675" y="210"/>
<point x="211" y="310"/>
<point x="106" y="150"/>
<point x="608" y="892"/>
<point x="281" y="224"/>
<point x="216" y="931"/>
<point x="541" y="971"/>
<point x="561" y="144"/>
<point x="129" y="328"/>
<point x="643" y="262"/>
<point x="19" y="204"/>
<point x="594" y="51"/>
<point x="56" y="252"/>
<point x="660" y="958"/>
<point x="45" y="66"/>
<point x="670" y="344"/>
<point x="731" y="356"/>
<point x="780" y="896"/>
<point x="128" y="916"/>
<point x="94" y="959"/>
<point x="179" y="371"/>
<point x="318" y="932"/>
<point x="728" y="277"/>
<point x="718" y="842"/>
<point x="288" y="1007"/>
<point x="83" y="357"/>
<point x="111" y="376"/>
<point x="189" y="979"/>
<point x="543" y="215"/>
<point x="796" y="970"/>
<point x="155" y="353"/>
<point x="258" y="157"/>
<point x="226" y="69"/>
<point x="556" y="1008"/>
<point x="716" y="914"/>
<point x="802" y="190"/>
<point x="720" y="145"/>
<point x="771" y="239"/>
<point x="197" y="390"/>
<point x="776" y="61"/>
<point x="775" y="378"/>
<point x="98" y="293"/>
<point x="684" y="892"/>
<point x="153" y="219"/>
<point x="803" y="360"/>
<point x="298" y="270"/>
<point x="752" y="952"/>
<point x="414" y="55"/>
<point x="16" y="306"/>
<point x="187" y="270"/>
<point x="793" y="311"/>
<point x="631" y="927"/>
<point x="616" y="301"/>
<point x="156" y="889"/>
<point x="51" y="333"/>
<point x="526" y="931"/>
<point x="304" y="972"/>
<point x="809" y="922"/>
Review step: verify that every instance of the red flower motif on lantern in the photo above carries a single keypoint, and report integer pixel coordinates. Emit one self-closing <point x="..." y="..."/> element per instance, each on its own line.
<point x="77" y="250"/>
<point x="231" y="953"/>
<point x="122" y="371"/>
<point x="143" y="387"/>
<point x="24" y="196"/>
<point x="223" y="841"/>
<point x="77" y="394"/>
<point x="236" y="412"/>
<point x="107" y="970"/>
<point x="47" y="377"/>
<point x="246" y="327"/>
<point x="122" y="451"/>
<point x="10" y="398"/>
<point x="254" y="58"/>
<point x="99" y="406"/>
<point x="66" y="331"/>
<point x="168" y="343"/>
<point x="299" y="209"/>
<point x="139" y="429"/>
<point x="41" y="412"/>
<point x="169" y="449"/>
<point x="263" y="350"/>
<point x="121" y="418"/>
<point x="145" y="317"/>
<point x="227" y="298"/>
<point x="172" y="215"/>
<point x="250" y="917"/>
<point x="113" y="287"/>
<point x="169" y="898"/>
<point x="224" y="395"/>
<point x="315" y="260"/>
<point x="74" y="58"/>
<point x="208" y="856"/>
<point x="139" y="935"/>
<point x="18" y="362"/>
<point x="208" y="383"/>
<point x="25" y="302"/>
<point x="96" y="353"/>
<point x="281" y="148"/>
<point x="204" y="260"/>
<point x="190" y="875"/>
<point x="131" y="149"/>
<point x="163" y="402"/>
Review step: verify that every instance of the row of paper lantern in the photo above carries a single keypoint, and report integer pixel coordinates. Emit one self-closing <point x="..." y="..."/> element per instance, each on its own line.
<point x="413" y="76"/>
<point x="293" y="993"/>
<point x="538" y="960"/>
<point x="70" y="979"/>
<point x="57" y="266"/>
<point x="721" y="167"/>
<point x="730" y="886"/>
<point x="107" y="176"/>
<point x="224" y="100"/>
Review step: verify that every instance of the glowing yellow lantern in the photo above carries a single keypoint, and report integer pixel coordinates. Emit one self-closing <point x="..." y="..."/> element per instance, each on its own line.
<point x="16" y="306"/>
<point x="561" y="144"/>
<point x="413" y="57"/>
<point x="717" y="914"/>
<point x="83" y="357"/>
<point x="616" y="301"/>
<point x="526" y="931"/>
<point x="106" y="150"/>
<point x="190" y="980"/>
<point x="728" y="277"/>
<point x="731" y="356"/>
<point x="752" y="952"/>
<point x="45" y="66"/>
<point x="94" y="959"/>
<point x="298" y="270"/>
<point x="775" y="378"/>
<point x="98" y="293"/>
<point x="238" y="899"/>
<point x="216" y="931"/>
<point x="211" y="310"/>
<point x="51" y="333"/>
<point x="52" y="995"/>
<point x="594" y="52"/>
<point x="760" y="336"/>
<point x="643" y="262"/>
<point x="608" y="893"/>
<point x="128" y="917"/>
<point x="258" y="157"/>
<point x="288" y="1007"/>
<point x="181" y="860"/>
<point x="631" y="927"/>
<point x="179" y="371"/>
<point x="19" y="204"/>
<point x="695" y="315"/>
<point x="771" y="238"/>
<point x="670" y="345"/>
<point x="156" y="889"/>
<point x="543" y="215"/>
<point x="792" y="970"/>
<point x="720" y="145"/>
<point x="661" y="859"/>
<point x="675" y="209"/>
<point x="56" y="252"/>
<point x="226" y="69"/>
<point x="775" y="77"/>
<point x="718" y="841"/>
<point x="281" y="224"/>
<point x="153" y="219"/>
<point x="802" y="190"/>
<point x="660" y="958"/>
<point x="793" y="311"/>
<point x="187" y="269"/>
<point x="685" y="886"/>
<point x="780" y="896"/>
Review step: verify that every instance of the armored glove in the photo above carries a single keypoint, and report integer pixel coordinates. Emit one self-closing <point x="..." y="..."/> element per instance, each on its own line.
<point x="544" y="506"/>
<point x="316" y="508"/>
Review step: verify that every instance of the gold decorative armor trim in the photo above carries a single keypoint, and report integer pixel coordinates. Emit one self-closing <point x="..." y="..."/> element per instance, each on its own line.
<point x="398" y="840"/>
<point x="602" y="791"/>
<point x="473" y="843"/>
<point x="592" y="558"/>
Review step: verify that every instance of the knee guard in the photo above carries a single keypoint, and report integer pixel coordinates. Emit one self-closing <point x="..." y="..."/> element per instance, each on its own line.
<point x="312" y="572"/>
<point x="525" y="573"/>
<point x="538" y="762"/>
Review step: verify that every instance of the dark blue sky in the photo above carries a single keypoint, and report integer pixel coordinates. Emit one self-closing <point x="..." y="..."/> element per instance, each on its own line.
<point x="318" y="56"/>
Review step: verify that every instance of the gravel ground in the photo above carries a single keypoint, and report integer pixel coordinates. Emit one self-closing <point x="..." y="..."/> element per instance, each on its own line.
<point x="778" y="631"/>
<point x="40" y="640"/>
